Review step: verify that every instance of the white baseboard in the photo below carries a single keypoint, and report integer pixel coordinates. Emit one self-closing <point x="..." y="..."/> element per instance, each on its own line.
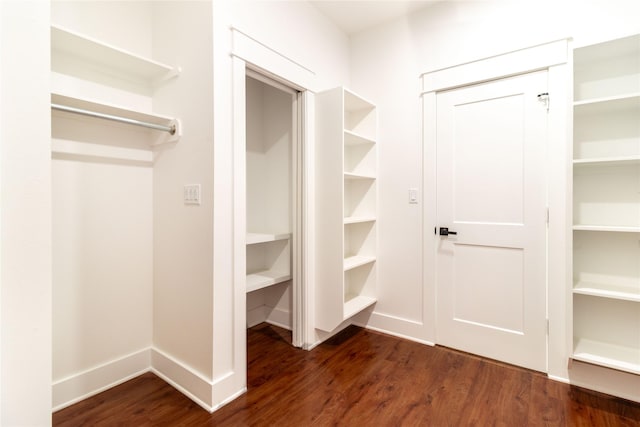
<point x="183" y="378"/>
<point x="397" y="327"/>
<point x="559" y="379"/>
<point x="77" y="387"/>
<point x="210" y="395"/>
<point x="605" y="380"/>
<point x="256" y="315"/>
<point x="279" y="317"/>
<point x="275" y="316"/>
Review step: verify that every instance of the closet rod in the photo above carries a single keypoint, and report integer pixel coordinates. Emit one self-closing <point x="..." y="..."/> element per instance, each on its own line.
<point x="171" y="129"/>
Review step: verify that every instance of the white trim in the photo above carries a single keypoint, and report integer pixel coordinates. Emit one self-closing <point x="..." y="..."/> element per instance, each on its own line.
<point x="516" y="62"/>
<point x="553" y="57"/>
<point x="279" y="317"/>
<point x="605" y="380"/>
<point x="182" y="377"/>
<point x="270" y="60"/>
<point x="396" y="326"/>
<point x="559" y="379"/>
<point x="559" y="241"/>
<point x="256" y="75"/>
<point x="429" y="197"/>
<point x="82" y="385"/>
<point x="307" y="290"/>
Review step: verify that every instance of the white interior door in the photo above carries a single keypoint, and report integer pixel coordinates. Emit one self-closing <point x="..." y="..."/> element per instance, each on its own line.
<point x="491" y="191"/>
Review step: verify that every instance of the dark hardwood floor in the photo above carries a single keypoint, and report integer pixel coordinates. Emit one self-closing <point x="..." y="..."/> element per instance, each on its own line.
<point x="361" y="378"/>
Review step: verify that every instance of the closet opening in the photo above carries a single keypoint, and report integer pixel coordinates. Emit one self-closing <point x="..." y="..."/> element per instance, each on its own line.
<point x="273" y="204"/>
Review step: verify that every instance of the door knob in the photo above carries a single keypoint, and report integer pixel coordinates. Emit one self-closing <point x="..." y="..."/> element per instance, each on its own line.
<point x="444" y="231"/>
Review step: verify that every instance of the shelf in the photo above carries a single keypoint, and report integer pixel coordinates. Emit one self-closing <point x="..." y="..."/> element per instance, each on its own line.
<point x="359" y="219"/>
<point x="353" y="102"/>
<point x="628" y="100"/>
<point x="352" y="138"/>
<point x="608" y="161"/>
<point x="255" y="238"/>
<point x="608" y="355"/>
<point x="112" y="57"/>
<point x="606" y="228"/>
<point x="355" y="304"/>
<point x="357" y="176"/>
<point x="356" y="261"/>
<point x="626" y="293"/>
<point x="115" y="110"/>
<point x="263" y="279"/>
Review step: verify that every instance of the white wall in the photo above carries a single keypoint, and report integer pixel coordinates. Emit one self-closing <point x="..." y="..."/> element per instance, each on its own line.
<point x="25" y="222"/>
<point x="122" y="23"/>
<point x="183" y="234"/>
<point x="298" y="31"/>
<point x="184" y="262"/>
<point x="397" y="53"/>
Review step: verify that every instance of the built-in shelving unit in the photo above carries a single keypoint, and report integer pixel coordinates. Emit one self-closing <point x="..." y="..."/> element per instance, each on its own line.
<point x="91" y="76"/>
<point x="269" y="192"/>
<point x="347" y="209"/>
<point x="606" y="204"/>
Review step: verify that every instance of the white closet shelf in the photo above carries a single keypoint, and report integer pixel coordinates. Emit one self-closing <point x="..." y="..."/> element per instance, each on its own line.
<point x="95" y="51"/>
<point x="608" y="355"/>
<point x="119" y="111"/>
<point x="349" y="175"/>
<point x="610" y="228"/>
<point x="359" y="219"/>
<point x="620" y="292"/>
<point x="353" y="138"/>
<point x="353" y="102"/>
<point x="255" y="238"/>
<point x="356" y="261"/>
<point x="608" y="161"/>
<point x="628" y="101"/>
<point x="263" y="279"/>
<point x="356" y="303"/>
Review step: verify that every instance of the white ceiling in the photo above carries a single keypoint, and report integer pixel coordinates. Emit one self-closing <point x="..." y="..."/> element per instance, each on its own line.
<point x="352" y="16"/>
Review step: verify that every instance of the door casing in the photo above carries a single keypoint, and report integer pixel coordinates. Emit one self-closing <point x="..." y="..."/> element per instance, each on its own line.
<point x="554" y="58"/>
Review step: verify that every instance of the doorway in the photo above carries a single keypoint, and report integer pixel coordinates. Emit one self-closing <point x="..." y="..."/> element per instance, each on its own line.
<point x="492" y="218"/>
<point x="273" y="203"/>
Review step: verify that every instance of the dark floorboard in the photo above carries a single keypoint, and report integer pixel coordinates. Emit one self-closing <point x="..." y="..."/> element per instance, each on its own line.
<point x="361" y="378"/>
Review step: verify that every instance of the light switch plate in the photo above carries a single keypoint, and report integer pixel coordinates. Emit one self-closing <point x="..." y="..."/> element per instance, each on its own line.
<point x="191" y="194"/>
<point x="413" y="196"/>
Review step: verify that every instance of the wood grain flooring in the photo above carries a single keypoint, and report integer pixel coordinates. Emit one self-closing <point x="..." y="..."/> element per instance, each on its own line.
<point x="361" y="378"/>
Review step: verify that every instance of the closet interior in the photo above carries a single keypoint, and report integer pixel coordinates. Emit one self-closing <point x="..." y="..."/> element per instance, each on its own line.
<point x="104" y="130"/>
<point x="271" y="182"/>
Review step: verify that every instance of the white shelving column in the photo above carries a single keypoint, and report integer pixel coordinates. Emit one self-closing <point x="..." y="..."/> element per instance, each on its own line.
<point x="346" y="165"/>
<point x="606" y="204"/>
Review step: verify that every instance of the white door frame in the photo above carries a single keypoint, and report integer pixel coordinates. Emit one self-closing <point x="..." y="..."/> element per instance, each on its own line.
<point x="553" y="57"/>
<point x="249" y="54"/>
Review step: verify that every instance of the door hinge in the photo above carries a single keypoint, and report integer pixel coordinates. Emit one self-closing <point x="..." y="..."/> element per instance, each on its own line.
<point x="544" y="97"/>
<point x="547" y="326"/>
<point x="547" y="216"/>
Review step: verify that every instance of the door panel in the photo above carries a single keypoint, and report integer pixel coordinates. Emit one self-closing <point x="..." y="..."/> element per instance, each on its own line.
<point x="491" y="190"/>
